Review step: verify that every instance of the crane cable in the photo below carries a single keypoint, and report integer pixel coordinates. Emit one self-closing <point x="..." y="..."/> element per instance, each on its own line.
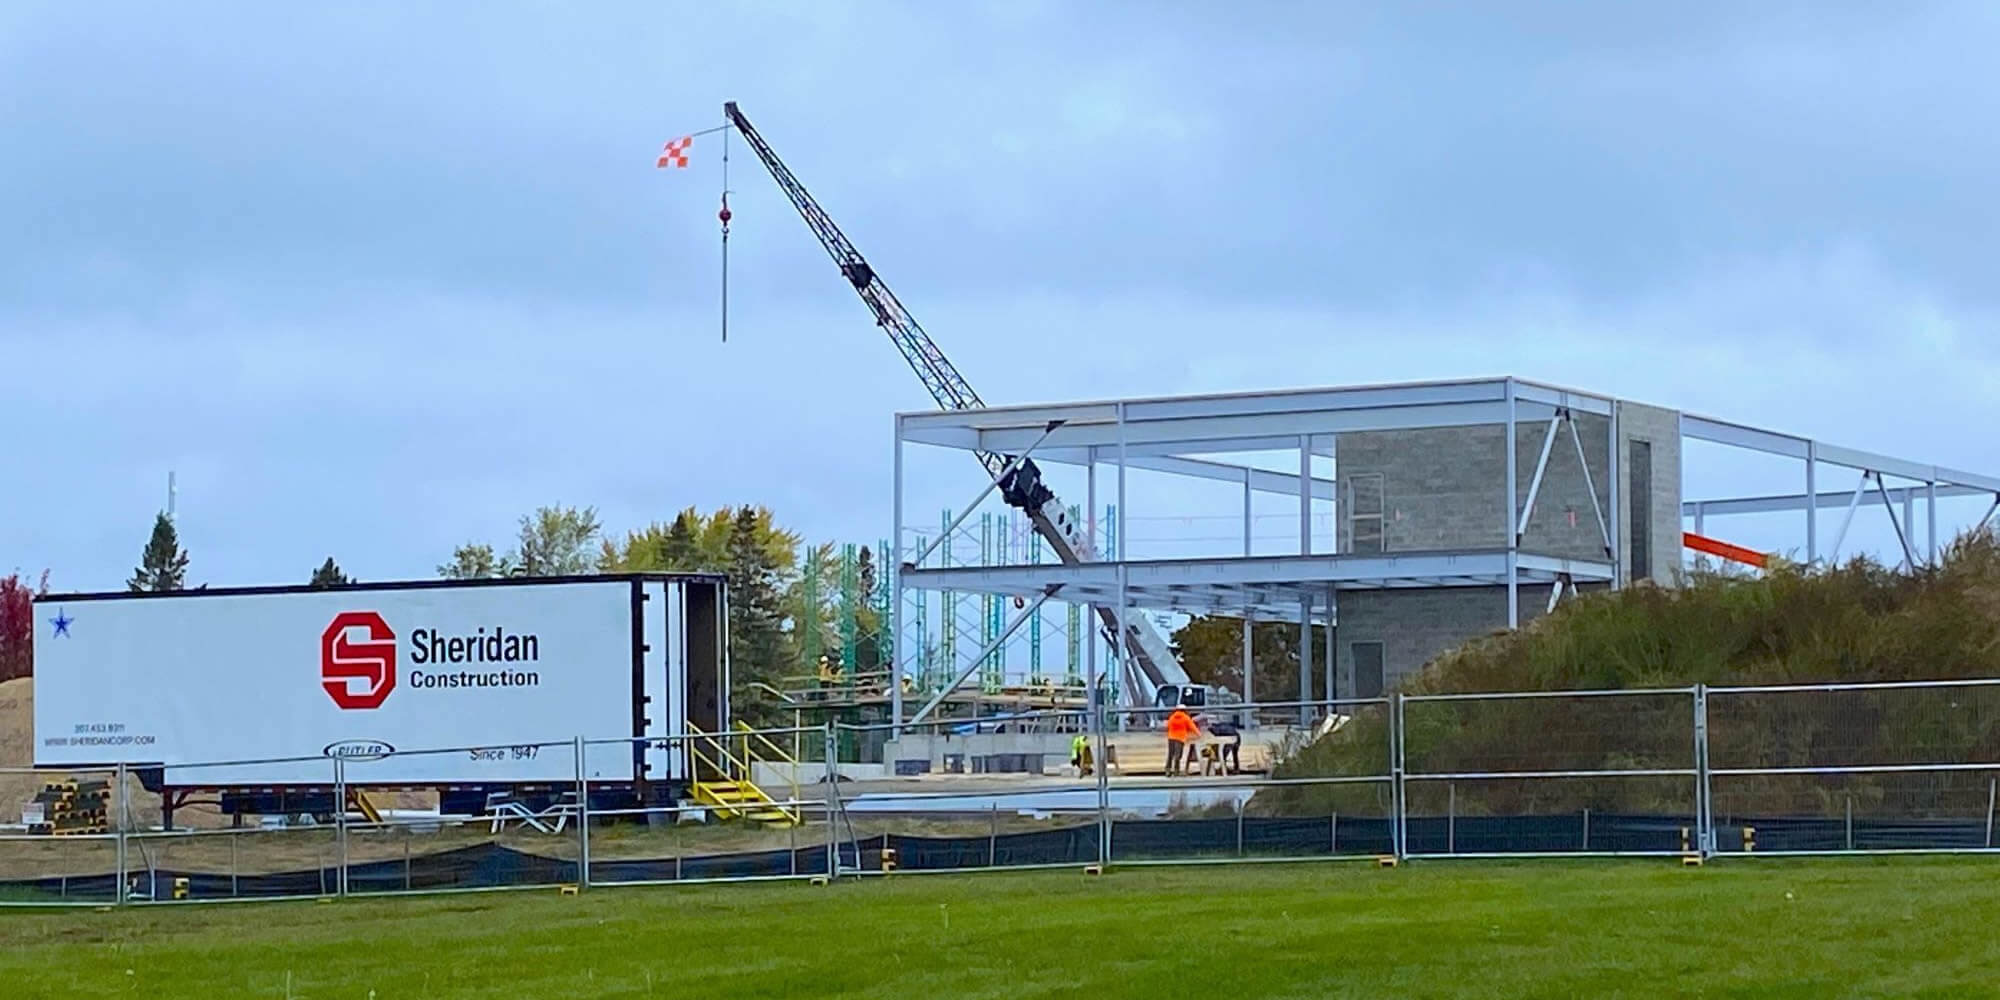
<point x="724" y="216"/>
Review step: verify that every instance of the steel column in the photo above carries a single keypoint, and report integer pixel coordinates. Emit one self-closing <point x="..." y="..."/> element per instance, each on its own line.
<point x="1305" y="495"/>
<point x="894" y="558"/>
<point x="1812" y="504"/>
<point x="1513" y="542"/>
<point x="1930" y="512"/>
<point x="1249" y="667"/>
<point x="1098" y="703"/>
<point x="1305" y="660"/>
<point x="1332" y="665"/>
<point x="1090" y="616"/>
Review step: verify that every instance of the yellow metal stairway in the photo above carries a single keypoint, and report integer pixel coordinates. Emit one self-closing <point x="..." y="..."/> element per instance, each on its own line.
<point x="723" y="777"/>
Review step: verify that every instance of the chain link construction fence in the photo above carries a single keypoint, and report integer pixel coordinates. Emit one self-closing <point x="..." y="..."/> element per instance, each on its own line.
<point x="1736" y="772"/>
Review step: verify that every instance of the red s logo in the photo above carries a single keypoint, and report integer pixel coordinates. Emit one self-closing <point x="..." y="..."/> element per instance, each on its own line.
<point x="343" y="660"/>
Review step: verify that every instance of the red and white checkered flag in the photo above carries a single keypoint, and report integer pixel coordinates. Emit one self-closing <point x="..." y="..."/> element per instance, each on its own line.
<point x="674" y="154"/>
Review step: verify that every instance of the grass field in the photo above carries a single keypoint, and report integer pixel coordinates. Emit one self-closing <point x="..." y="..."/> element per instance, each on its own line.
<point x="1772" y="928"/>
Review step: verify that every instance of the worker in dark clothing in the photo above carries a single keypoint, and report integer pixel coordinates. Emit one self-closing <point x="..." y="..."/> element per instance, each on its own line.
<point x="1232" y="744"/>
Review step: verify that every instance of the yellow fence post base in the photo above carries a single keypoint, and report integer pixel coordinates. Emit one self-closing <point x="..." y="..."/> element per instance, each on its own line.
<point x="1386" y="861"/>
<point x="1093" y="869"/>
<point x="819" y="880"/>
<point x="567" y="890"/>
<point x="1690" y="861"/>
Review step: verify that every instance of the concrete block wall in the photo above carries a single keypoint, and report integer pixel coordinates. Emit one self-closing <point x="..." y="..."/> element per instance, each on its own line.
<point x="1416" y="626"/>
<point x="1442" y="487"/>
<point x="1661" y="430"/>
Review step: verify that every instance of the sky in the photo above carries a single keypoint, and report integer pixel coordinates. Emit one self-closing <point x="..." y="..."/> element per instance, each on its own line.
<point x="373" y="280"/>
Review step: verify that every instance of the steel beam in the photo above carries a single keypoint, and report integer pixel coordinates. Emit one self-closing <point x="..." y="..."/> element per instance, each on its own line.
<point x="1722" y="506"/>
<point x="989" y="649"/>
<point x="1535" y="481"/>
<point x="1847" y="521"/>
<point x="1590" y="487"/>
<point x="1909" y="558"/>
<point x="994" y="484"/>
<point x="1241" y="432"/>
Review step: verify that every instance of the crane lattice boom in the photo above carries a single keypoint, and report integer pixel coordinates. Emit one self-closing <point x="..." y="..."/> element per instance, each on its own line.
<point x="1022" y="487"/>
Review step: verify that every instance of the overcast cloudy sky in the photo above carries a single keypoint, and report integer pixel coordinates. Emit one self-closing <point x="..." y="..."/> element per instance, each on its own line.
<point x="375" y="279"/>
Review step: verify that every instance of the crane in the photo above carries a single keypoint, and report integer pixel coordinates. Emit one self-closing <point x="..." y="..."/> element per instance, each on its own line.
<point x="1020" y="482"/>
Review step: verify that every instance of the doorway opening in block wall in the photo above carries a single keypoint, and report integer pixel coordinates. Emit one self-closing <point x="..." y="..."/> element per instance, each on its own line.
<point x="1367" y="658"/>
<point x="1639" y="488"/>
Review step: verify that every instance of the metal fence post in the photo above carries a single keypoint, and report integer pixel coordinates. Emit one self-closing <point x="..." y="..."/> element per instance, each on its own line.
<point x="1239" y="828"/>
<point x="122" y="830"/>
<point x="340" y="826"/>
<point x="582" y="817"/>
<point x="1992" y="787"/>
<point x="1399" y="828"/>
<point x="832" y="801"/>
<point x="1703" y="795"/>
<point x="1451" y="817"/>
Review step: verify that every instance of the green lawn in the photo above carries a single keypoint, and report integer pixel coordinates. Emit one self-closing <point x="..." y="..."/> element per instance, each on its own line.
<point x="1773" y="928"/>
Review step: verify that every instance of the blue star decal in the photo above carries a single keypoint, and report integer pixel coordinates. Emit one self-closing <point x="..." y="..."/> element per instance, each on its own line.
<point x="61" y="622"/>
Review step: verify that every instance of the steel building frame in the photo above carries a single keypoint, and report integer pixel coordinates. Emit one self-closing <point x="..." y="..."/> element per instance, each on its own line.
<point x="1165" y="434"/>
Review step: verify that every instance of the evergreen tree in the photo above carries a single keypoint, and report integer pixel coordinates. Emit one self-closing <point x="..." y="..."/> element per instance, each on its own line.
<point x="756" y="615"/>
<point x="681" y="549"/>
<point x="163" y="566"/>
<point x="329" y="575"/>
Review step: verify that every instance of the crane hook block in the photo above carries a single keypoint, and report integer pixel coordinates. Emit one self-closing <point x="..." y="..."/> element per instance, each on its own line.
<point x="724" y="214"/>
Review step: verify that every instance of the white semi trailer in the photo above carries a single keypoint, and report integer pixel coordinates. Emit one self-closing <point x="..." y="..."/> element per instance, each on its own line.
<point x="467" y="687"/>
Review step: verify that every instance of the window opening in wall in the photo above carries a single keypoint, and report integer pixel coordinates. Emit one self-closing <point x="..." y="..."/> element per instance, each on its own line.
<point x="1639" y="487"/>
<point x="1367" y="657"/>
<point x="1364" y="512"/>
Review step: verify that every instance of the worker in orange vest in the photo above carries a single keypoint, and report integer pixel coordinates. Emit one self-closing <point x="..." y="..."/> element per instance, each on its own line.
<point x="1181" y="731"/>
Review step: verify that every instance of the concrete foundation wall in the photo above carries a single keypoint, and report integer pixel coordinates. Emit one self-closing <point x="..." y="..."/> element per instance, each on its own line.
<point x="934" y="747"/>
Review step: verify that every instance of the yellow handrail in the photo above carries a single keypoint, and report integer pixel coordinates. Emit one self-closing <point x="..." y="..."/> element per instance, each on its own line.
<point x="722" y="749"/>
<point x="792" y="763"/>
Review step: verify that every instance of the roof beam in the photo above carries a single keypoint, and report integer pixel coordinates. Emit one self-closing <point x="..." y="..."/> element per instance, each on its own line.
<point x="1797" y="501"/>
